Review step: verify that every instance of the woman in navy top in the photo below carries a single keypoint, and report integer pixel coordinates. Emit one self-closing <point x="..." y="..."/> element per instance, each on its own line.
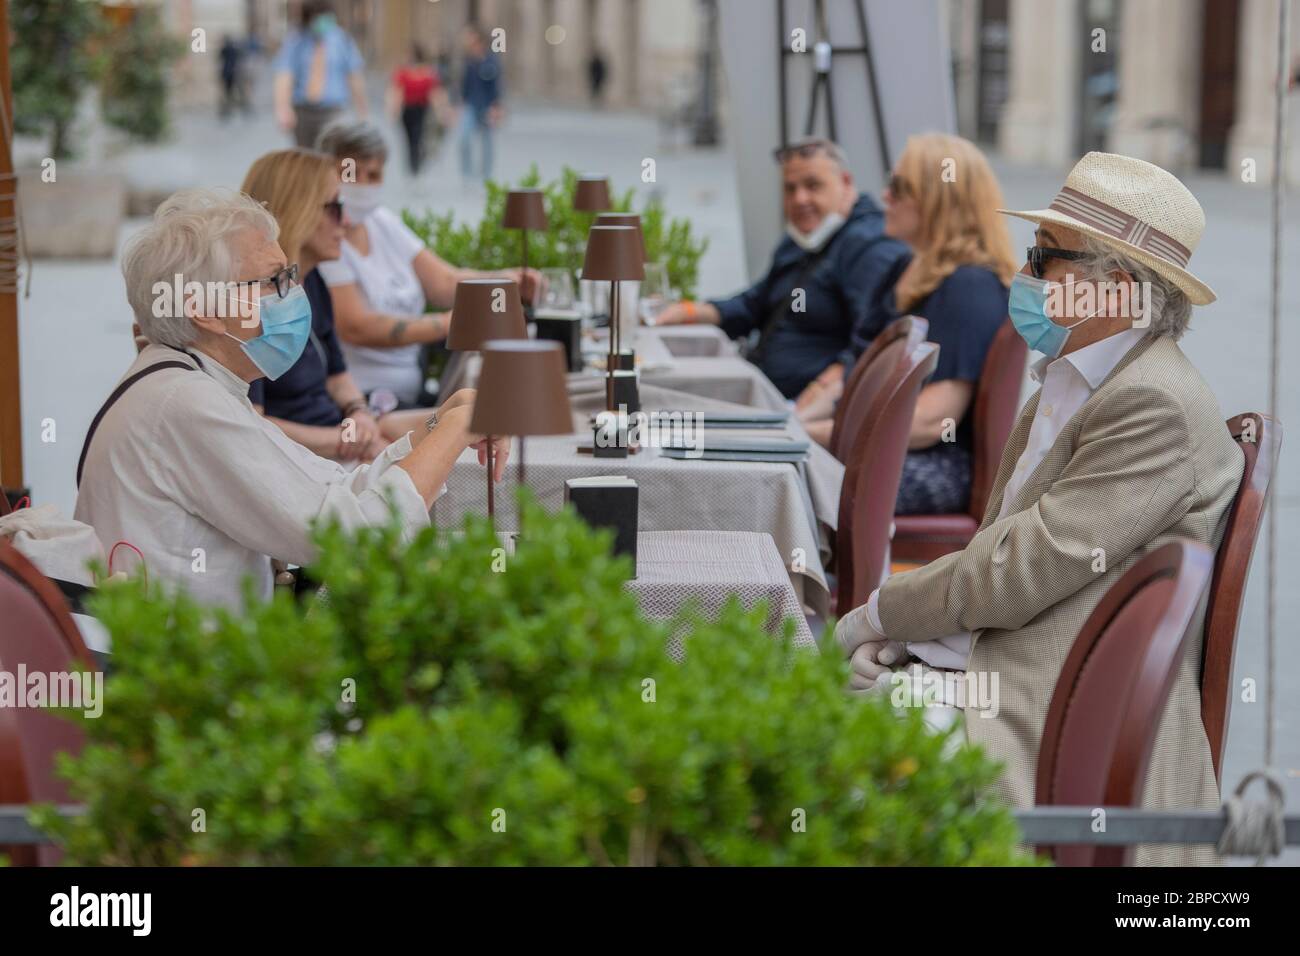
<point x="942" y="201"/>
<point x="316" y="402"/>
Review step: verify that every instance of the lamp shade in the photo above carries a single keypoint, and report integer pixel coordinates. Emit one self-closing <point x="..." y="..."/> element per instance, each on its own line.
<point x="625" y="219"/>
<point x="592" y="194"/>
<point x="485" y="309"/>
<point x="521" y="390"/>
<point x="524" y="210"/>
<point x="614" y="253"/>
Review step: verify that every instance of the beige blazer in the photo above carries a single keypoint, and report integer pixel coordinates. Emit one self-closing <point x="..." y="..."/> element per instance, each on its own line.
<point x="1147" y="457"/>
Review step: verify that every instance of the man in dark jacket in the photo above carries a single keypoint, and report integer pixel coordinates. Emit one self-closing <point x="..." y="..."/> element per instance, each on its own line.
<point x="825" y="280"/>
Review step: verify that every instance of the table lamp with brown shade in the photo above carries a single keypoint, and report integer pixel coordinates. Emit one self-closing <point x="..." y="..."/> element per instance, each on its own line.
<point x="525" y="210"/>
<point x="591" y="194"/>
<point x="625" y="219"/>
<point x="522" y="391"/>
<point x="486" y="310"/>
<point x="614" y="255"/>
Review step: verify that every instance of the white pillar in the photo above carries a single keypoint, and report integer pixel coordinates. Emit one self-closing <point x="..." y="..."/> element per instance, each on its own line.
<point x="1159" y="82"/>
<point x="1252" y="133"/>
<point x="1041" y="116"/>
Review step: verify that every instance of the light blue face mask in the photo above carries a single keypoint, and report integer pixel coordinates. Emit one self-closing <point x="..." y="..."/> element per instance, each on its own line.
<point x="286" y="326"/>
<point x="1027" y="304"/>
<point x="323" y="24"/>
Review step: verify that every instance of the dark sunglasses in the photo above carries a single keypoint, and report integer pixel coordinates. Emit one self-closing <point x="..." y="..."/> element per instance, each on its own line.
<point x="1038" y="256"/>
<point x="335" y="210"/>
<point x="284" y="280"/>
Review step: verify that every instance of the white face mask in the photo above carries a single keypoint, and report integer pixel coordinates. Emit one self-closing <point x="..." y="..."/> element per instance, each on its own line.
<point x="359" y="200"/>
<point x="813" y="241"/>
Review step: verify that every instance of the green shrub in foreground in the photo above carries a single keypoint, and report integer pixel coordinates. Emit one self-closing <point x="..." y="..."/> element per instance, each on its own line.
<point x="434" y="711"/>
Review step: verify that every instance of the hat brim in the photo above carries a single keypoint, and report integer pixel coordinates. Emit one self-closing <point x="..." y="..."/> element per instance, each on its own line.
<point x="1197" y="292"/>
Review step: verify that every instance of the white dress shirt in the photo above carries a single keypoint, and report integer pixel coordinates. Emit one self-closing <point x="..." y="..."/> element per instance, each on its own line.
<point x="183" y="468"/>
<point x="1067" y="383"/>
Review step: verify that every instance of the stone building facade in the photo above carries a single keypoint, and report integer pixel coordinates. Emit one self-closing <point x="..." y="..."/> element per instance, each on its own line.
<point x="1181" y="83"/>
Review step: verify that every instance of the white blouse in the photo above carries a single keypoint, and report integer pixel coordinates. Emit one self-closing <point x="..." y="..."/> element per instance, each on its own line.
<point x="184" y="469"/>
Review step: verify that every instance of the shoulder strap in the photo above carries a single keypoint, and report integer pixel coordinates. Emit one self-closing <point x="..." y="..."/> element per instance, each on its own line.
<point x="782" y="307"/>
<point x="112" y="400"/>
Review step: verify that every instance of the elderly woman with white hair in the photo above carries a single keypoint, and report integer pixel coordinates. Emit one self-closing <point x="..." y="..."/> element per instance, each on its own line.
<point x="179" y="464"/>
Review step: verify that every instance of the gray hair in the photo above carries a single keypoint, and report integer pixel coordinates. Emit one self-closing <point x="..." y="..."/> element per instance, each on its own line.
<point x="353" y="139"/>
<point x="816" y="144"/>
<point x="189" y="240"/>
<point x="1169" y="311"/>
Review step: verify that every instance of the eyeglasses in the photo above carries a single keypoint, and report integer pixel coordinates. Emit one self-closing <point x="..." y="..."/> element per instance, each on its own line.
<point x="284" y="280"/>
<point x="1038" y="256"/>
<point x="898" y="186"/>
<point x="334" y="210"/>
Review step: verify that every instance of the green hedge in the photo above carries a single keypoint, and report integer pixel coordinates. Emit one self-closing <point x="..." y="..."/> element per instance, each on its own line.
<point x="443" y="708"/>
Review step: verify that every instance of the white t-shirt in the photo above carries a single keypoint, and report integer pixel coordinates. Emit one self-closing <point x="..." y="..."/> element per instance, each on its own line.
<point x="387" y="281"/>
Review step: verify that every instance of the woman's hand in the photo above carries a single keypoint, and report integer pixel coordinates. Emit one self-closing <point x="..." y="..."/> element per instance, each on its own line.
<point x="501" y="455"/>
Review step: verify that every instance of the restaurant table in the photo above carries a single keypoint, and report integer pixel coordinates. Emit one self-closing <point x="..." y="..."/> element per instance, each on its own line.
<point x="700" y="360"/>
<point x="674" y="568"/>
<point x="691" y="341"/>
<point x="796" y="502"/>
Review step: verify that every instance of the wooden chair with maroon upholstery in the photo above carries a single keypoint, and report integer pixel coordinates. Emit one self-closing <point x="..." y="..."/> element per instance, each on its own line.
<point x="1106" y="708"/>
<point x="37" y="631"/>
<point x="995" y="406"/>
<point x="1260" y="440"/>
<point x="872" y="472"/>
<point x="872" y="368"/>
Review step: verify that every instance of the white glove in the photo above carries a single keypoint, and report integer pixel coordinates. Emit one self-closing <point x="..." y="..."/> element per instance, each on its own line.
<point x="854" y="629"/>
<point x="872" y="660"/>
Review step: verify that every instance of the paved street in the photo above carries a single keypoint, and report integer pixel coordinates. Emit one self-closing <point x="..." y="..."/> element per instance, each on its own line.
<point x="76" y="340"/>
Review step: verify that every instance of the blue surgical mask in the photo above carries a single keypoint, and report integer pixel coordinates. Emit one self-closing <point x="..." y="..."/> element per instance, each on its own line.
<point x="323" y="24"/>
<point x="286" y="326"/>
<point x="1027" y="304"/>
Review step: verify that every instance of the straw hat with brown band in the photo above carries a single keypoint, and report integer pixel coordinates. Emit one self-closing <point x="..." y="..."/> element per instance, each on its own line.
<point x="1136" y="208"/>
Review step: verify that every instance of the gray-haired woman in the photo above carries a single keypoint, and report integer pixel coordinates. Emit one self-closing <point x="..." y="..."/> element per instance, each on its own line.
<point x="385" y="277"/>
<point x="178" y="462"/>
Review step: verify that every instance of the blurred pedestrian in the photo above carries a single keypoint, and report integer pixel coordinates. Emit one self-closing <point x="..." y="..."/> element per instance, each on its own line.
<point x="319" y="69"/>
<point x="416" y="95"/>
<point x="480" y="94"/>
<point x="231" y="71"/>
<point x="597" y="73"/>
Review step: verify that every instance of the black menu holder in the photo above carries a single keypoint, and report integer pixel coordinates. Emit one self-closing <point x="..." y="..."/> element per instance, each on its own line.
<point x="565" y="328"/>
<point x="627" y="392"/>
<point x="608" y="502"/>
<point x="625" y="361"/>
<point x="610" y="438"/>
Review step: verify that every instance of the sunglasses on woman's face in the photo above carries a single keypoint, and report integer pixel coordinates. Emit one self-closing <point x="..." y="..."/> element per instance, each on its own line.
<point x="1038" y="256"/>
<point x="334" y="210"/>
<point x="898" y="187"/>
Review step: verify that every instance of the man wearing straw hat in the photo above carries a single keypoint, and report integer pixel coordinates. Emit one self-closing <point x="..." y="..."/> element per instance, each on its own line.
<point x="1122" y="447"/>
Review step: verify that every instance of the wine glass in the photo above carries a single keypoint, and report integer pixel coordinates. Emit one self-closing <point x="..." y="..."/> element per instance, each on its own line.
<point x="559" y="289"/>
<point x="654" y="292"/>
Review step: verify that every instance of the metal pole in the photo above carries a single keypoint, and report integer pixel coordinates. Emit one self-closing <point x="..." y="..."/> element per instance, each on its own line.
<point x="1275" y="347"/>
<point x="11" y="423"/>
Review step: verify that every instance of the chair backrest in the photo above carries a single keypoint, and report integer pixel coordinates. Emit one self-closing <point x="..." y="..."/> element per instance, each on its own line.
<point x="35" y="631"/>
<point x="873" y="469"/>
<point x="1260" y="440"/>
<point x="872" y="369"/>
<point x="1106" y="708"/>
<point x="997" y="403"/>
<point x="13" y="564"/>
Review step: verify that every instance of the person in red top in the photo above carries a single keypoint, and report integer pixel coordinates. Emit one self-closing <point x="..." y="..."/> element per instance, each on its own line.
<point x="415" y="90"/>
